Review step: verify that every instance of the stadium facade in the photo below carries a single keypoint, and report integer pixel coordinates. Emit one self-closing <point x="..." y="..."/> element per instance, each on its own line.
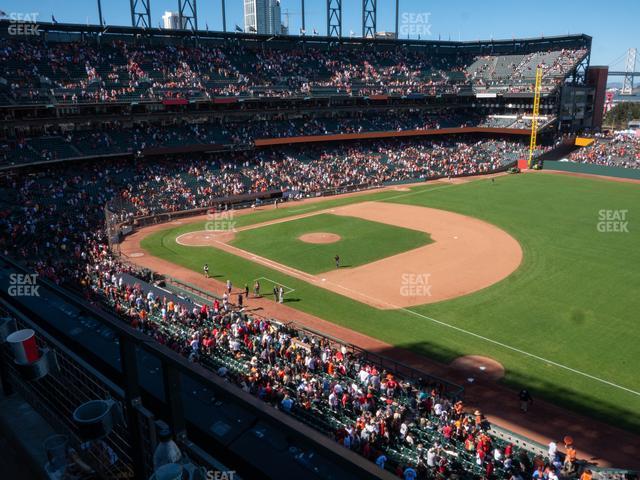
<point x="489" y="79"/>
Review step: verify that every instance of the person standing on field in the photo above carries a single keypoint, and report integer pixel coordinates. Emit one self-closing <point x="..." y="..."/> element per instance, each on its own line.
<point x="525" y="400"/>
<point x="337" y="259"/>
<point x="206" y="270"/>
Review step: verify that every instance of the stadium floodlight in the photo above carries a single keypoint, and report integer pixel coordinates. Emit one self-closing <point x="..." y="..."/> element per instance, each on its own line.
<point x="397" y="16"/>
<point x="334" y="18"/>
<point x="100" y="19"/>
<point x="188" y="15"/>
<point x="369" y="18"/>
<point x="141" y="13"/>
<point x="224" y="15"/>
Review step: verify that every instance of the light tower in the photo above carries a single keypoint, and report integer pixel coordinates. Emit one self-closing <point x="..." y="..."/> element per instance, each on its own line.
<point x="334" y="18"/>
<point x="627" y="86"/>
<point x="369" y="18"/>
<point x="188" y="15"/>
<point x="141" y="13"/>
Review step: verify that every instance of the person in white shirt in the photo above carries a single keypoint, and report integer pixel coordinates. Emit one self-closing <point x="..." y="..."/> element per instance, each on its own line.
<point x="497" y="455"/>
<point x="431" y="457"/>
<point x="553" y="449"/>
<point x="333" y="401"/>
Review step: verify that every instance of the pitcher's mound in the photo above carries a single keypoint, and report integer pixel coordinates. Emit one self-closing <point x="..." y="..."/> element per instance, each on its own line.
<point x="477" y="366"/>
<point x="319" y="237"/>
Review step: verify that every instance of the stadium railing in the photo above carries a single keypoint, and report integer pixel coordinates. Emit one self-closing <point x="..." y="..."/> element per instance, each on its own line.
<point x="101" y="357"/>
<point x="399" y="369"/>
<point x="405" y="372"/>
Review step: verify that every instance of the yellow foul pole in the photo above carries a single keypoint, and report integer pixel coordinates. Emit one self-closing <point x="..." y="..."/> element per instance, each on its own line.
<point x="536" y="114"/>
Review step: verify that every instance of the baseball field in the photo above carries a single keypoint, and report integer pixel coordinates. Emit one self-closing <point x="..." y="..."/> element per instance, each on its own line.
<point x="539" y="272"/>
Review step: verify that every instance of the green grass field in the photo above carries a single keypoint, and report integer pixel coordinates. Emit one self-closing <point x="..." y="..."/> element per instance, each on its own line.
<point x="280" y="242"/>
<point x="573" y="303"/>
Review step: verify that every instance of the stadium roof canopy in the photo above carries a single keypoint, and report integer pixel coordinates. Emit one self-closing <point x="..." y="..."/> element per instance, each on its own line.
<point x="57" y="31"/>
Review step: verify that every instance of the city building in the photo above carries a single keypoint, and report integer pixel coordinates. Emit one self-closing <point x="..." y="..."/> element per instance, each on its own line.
<point x="262" y="16"/>
<point x="171" y="21"/>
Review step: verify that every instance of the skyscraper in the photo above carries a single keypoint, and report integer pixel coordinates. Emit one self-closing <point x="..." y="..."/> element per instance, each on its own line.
<point x="262" y="16"/>
<point x="171" y="21"/>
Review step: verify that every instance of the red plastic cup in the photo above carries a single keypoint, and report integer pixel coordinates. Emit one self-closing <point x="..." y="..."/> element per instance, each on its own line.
<point x="24" y="347"/>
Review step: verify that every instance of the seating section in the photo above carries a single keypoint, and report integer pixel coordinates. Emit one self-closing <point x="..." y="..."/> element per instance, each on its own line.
<point x="521" y="122"/>
<point x="516" y="73"/>
<point x="617" y="151"/>
<point x="60" y="73"/>
<point x="397" y="422"/>
<point x="114" y="138"/>
<point x="304" y="171"/>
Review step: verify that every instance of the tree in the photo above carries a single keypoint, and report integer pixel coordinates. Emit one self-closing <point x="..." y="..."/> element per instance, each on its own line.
<point x="621" y="114"/>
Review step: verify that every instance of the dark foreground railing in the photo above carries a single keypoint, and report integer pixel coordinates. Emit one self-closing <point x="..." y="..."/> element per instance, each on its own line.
<point x="215" y="423"/>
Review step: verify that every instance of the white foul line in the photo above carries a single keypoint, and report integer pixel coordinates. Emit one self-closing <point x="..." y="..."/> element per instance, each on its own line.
<point x="522" y="352"/>
<point x="462" y="330"/>
<point x="495" y="342"/>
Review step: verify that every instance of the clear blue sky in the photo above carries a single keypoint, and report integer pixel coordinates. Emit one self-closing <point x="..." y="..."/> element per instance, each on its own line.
<point x="613" y="25"/>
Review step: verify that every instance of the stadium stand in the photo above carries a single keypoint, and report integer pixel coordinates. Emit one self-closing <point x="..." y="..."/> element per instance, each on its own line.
<point x="162" y="126"/>
<point x="78" y="72"/>
<point x="610" y="151"/>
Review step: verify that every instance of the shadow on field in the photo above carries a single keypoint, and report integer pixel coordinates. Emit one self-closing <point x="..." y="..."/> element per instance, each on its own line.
<point x="557" y="411"/>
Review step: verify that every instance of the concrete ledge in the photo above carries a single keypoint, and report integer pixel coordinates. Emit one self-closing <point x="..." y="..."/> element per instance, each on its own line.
<point x="22" y="434"/>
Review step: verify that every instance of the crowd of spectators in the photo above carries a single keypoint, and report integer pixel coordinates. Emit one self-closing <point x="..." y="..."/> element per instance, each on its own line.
<point x="116" y="138"/>
<point x="63" y="204"/>
<point x="325" y="168"/>
<point x="77" y="72"/>
<point x="415" y="428"/>
<point x="516" y="73"/>
<point x="611" y="151"/>
<point x="299" y="172"/>
<point x="53" y="221"/>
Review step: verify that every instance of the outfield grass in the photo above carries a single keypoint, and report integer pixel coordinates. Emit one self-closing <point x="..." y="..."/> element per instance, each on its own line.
<point x="280" y="242"/>
<point x="574" y="300"/>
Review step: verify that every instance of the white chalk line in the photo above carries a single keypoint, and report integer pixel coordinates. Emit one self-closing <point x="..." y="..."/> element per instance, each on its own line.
<point x="490" y="340"/>
<point x="289" y="289"/>
<point x="522" y="352"/>
<point x="298" y="210"/>
<point x="462" y="330"/>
